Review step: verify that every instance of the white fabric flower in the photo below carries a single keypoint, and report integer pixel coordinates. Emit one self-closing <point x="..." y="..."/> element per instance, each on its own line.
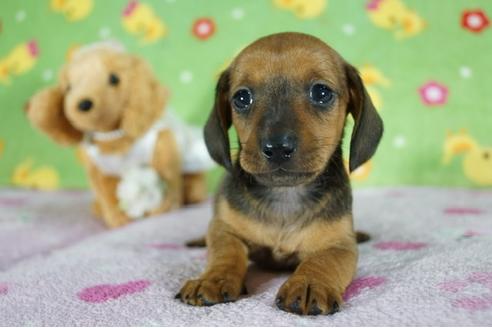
<point x="140" y="190"/>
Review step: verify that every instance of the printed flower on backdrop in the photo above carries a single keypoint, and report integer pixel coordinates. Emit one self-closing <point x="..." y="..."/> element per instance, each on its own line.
<point x="203" y="28"/>
<point x="474" y="20"/>
<point x="433" y="93"/>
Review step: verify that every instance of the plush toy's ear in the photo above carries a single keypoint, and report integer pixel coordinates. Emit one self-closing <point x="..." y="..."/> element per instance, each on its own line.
<point x="146" y="102"/>
<point x="368" y="128"/>
<point x="45" y="111"/>
<point x="218" y="124"/>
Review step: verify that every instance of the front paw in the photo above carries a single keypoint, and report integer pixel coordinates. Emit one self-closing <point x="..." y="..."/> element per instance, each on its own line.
<point x="211" y="290"/>
<point x="304" y="295"/>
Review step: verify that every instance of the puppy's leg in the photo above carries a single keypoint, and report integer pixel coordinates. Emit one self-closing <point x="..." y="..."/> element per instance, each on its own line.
<point x="317" y="285"/>
<point x="223" y="280"/>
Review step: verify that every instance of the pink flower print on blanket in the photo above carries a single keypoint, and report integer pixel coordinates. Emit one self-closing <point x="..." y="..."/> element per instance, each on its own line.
<point x="4" y="288"/>
<point x="103" y="293"/>
<point x="362" y="283"/>
<point x="399" y="245"/>
<point x="12" y="202"/>
<point x="474" y="292"/>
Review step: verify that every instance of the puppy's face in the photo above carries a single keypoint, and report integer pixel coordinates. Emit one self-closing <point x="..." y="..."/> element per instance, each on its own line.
<point x="288" y="104"/>
<point x="287" y="95"/>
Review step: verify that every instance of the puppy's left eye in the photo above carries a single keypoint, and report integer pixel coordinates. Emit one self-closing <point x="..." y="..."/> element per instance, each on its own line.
<point x="321" y="94"/>
<point x="114" y="79"/>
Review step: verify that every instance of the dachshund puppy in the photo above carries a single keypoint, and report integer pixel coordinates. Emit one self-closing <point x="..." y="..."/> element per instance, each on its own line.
<point x="286" y="201"/>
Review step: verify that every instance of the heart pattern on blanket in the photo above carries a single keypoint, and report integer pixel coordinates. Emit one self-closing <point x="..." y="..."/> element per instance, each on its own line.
<point x="103" y="293"/>
<point x="399" y="246"/>
<point x="470" y="303"/>
<point x="4" y="288"/>
<point x="361" y="283"/>
<point x="463" y="211"/>
<point x="12" y="202"/>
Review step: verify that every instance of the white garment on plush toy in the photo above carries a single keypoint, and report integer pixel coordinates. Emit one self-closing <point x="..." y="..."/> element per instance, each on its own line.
<point x="140" y="190"/>
<point x="136" y="162"/>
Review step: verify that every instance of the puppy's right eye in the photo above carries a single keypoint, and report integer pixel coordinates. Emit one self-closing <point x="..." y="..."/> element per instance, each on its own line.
<point x="242" y="100"/>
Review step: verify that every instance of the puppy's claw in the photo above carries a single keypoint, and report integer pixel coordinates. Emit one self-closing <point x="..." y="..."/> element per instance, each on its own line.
<point x="335" y="308"/>
<point x="279" y="302"/>
<point x="314" y="309"/>
<point x="295" y="307"/>
<point x="211" y="290"/>
<point x="307" y="296"/>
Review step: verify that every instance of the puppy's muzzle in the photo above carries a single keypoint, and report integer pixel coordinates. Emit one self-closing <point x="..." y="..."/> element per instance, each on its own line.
<point x="279" y="148"/>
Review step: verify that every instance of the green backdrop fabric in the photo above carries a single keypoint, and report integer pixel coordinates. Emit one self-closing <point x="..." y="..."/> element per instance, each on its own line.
<point x="427" y="65"/>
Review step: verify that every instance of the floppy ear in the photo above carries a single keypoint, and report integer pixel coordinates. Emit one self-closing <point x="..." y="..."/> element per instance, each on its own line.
<point x="146" y="102"/>
<point x="218" y="123"/>
<point x="368" y="127"/>
<point x="45" y="110"/>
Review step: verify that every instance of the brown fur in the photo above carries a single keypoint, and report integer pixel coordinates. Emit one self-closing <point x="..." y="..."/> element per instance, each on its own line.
<point x="297" y="214"/>
<point x="133" y="105"/>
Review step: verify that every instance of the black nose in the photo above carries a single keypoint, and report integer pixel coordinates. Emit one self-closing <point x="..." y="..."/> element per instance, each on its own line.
<point x="85" y="105"/>
<point x="279" y="148"/>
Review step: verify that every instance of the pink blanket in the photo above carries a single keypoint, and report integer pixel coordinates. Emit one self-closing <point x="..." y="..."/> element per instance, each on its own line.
<point x="429" y="263"/>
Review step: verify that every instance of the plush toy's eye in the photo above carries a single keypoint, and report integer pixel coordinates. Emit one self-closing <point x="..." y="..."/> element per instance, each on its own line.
<point x="114" y="79"/>
<point x="242" y="100"/>
<point x="321" y="94"/>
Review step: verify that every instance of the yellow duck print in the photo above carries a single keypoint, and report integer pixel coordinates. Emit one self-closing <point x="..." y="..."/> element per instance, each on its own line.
<point x="361" y="173"/>
<point x="394" y="15"/>
<point x="140" y="20"/>
<point x="20" y="60"/>
<point x="303" y="9"/>
<point x="372" y="78"/>
<point x="42" y="178"/>
<point x="73" y="10"/>
<point x="477" y="164"/>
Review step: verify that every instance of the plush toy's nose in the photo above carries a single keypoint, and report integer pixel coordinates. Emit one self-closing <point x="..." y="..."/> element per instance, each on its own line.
<point x="85" y="105"/>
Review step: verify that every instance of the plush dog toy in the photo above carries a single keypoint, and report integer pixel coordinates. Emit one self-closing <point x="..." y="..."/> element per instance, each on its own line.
<point x="110" y="104"/>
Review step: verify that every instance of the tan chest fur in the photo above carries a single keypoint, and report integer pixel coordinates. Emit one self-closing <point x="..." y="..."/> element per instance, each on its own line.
<point x="287" y="240"/>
